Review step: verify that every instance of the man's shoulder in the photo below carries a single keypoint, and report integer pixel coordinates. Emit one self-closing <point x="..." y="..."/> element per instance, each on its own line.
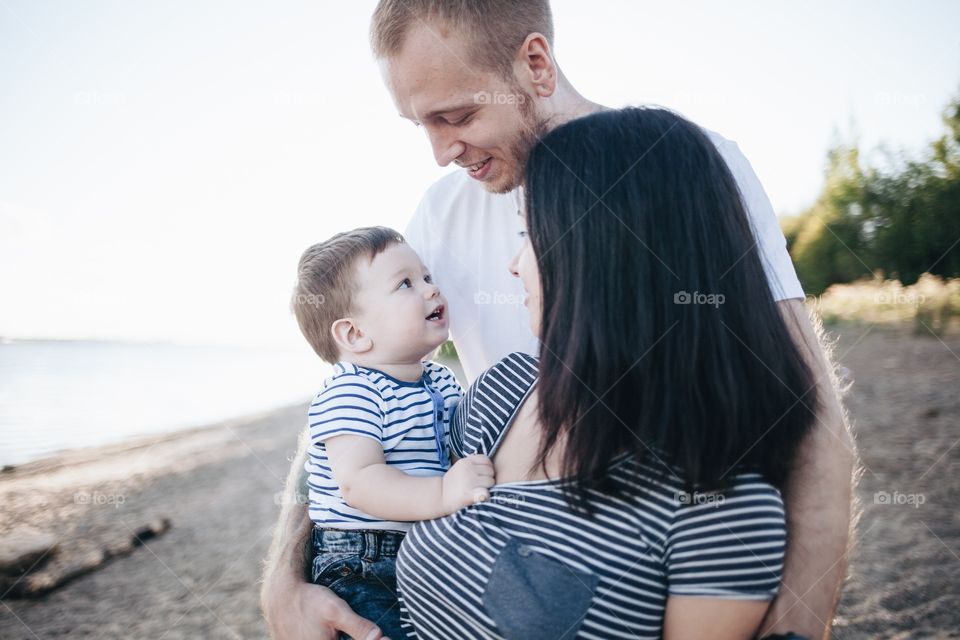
<point x="721" y="142"/>
<point x="449" y="193"/>
<point x="454" y="212"/>
<point x="452" y="189"/>
<point x="454" y="183"/>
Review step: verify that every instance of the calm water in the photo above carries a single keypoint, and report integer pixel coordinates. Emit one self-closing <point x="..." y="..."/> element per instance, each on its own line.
<point x="65" y="395"/>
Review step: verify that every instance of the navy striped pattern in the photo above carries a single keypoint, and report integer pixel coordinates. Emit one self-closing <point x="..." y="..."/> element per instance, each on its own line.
<point x="660" y="541"/>
<point x="368" y="403"/>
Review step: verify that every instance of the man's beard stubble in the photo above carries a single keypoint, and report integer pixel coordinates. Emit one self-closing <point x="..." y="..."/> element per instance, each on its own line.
<point x="532" y="128"/>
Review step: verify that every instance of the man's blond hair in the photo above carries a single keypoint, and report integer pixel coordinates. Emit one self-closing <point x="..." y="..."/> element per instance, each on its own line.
<point x="326" y="283"/>
<point x="497" y="28"/>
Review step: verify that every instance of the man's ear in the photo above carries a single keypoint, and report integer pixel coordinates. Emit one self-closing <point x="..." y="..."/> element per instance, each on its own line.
<point x="349" y="337"/>
<point x="535" y="65"/>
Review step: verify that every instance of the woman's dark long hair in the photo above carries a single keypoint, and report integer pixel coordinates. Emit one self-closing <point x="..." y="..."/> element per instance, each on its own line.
<point x="659" y="334"/>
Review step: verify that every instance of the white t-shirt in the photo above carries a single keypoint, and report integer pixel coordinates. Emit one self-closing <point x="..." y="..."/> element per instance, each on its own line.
<point x="467" y="236"/>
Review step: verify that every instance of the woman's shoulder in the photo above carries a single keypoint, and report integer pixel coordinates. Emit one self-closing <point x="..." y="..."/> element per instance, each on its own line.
<point x="667" y="480"/>
<point x="747" y="495"/>
<point x="490" y="403"/>
<point x="730" y="543"/>
<point x="515" y="368"/>
<point x="657" y="488"/>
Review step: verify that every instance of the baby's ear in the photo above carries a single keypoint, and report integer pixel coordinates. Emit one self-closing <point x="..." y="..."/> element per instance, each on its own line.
<point x="349" y="337"/>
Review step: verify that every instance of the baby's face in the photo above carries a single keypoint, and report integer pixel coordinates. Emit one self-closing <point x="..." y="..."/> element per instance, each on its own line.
<point x="398" y="307"/>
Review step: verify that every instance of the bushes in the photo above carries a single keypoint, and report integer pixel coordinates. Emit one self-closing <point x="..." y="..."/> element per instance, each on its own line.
<point x="930" y="304"/>
<point x="903" y="221"/>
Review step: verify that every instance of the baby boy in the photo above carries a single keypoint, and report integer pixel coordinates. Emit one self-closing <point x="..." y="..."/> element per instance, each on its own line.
<point x="379" y="427"/>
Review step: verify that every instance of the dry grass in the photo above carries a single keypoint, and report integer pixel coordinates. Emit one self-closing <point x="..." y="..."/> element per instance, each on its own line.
<point x="932" y="304"/>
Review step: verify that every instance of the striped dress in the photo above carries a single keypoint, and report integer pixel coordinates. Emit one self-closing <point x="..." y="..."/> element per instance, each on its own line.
<point x="365" y="402"/>
<point x="524" y="565"/>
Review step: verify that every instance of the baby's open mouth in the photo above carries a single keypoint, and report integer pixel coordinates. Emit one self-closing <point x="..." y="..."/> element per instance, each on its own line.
<point x="437" y="314"/>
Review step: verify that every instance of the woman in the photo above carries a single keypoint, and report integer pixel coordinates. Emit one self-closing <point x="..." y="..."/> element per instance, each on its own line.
<point x="638" y="460"/>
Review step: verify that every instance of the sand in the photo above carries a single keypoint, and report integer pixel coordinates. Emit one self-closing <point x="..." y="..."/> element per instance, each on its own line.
<point x="905" y="404"/>
<point x="198" y="580"/>
<point x="217" y="487"/>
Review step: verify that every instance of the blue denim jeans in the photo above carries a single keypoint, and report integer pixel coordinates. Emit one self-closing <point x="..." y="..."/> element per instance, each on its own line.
<point x="361" y="568"/>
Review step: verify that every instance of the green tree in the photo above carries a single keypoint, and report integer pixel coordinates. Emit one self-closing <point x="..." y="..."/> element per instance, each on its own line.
<point x="902" y="221"/>
<point x="828" y="244"/>
<point x="915" y="212"/>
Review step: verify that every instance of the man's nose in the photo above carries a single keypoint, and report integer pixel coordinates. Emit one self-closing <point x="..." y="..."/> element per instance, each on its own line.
<point x="446" y="148"/>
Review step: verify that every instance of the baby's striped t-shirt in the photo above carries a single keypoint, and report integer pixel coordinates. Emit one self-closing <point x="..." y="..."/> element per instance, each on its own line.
<point x="405" y="417"/>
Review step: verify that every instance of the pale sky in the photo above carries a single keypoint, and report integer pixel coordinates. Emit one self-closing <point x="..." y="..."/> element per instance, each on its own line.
<point x="163" y="164"/>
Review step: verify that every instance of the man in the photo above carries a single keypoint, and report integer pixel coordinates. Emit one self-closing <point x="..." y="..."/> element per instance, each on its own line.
<point x="480" y="78"/>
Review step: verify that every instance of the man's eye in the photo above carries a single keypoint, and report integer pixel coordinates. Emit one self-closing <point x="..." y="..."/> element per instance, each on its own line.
<point x="462" y="121"/>
<point x="405" y="283"/>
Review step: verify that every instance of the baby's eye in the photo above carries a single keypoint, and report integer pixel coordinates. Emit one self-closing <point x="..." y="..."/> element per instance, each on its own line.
<point x="428" y="279"/>
<point x="405" y="283"/>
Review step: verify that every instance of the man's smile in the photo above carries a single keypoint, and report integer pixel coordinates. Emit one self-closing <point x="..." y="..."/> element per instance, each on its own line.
<point x="478" y="169"/>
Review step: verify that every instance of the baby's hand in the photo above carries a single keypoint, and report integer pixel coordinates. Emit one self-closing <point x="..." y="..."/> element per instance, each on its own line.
<point x="467" y="482"/>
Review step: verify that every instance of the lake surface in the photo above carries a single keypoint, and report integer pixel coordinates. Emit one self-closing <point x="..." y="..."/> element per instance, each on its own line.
<point x="66" y="395"/>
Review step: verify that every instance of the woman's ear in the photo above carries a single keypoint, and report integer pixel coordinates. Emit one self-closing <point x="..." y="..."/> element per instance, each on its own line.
<point x="535" y="64"/>
<point x="349" y="337"/>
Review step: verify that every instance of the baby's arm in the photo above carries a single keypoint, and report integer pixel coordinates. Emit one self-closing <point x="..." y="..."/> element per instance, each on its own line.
<point x="367" y="483"/>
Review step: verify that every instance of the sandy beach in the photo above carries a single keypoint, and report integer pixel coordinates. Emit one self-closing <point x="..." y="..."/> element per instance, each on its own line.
<point x="204" y="502"/>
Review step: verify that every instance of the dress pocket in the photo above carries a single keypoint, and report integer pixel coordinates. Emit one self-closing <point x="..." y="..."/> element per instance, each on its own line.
<point x="532" y="596"/>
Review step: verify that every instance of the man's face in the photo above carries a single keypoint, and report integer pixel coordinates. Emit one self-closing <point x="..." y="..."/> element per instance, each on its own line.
<point x="472" y="117"/>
